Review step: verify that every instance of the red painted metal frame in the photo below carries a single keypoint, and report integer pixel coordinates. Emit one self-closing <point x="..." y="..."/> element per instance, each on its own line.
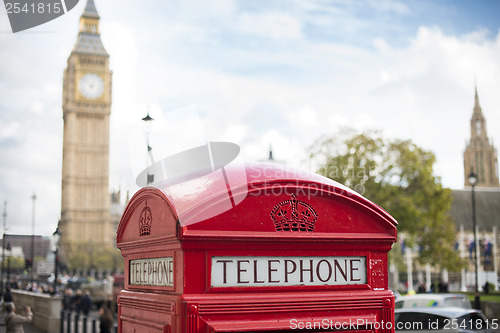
<point x="347" y="225"/>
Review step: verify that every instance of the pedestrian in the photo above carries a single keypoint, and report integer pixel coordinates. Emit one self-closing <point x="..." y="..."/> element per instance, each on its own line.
<point x="421" y="288"/>
<point x="76" y="302"/>
<point x="486" y="287"/>
<point x="13" y="321"/>
<point x="442" y="286"/>
<point x="67" y="300"/>
<point x="7" y="297"/>
<point x="105" y="319"/>
<point x="86" y="303"/>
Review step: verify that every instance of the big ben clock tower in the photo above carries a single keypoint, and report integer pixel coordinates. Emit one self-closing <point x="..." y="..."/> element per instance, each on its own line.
<point x="85" y="205"/>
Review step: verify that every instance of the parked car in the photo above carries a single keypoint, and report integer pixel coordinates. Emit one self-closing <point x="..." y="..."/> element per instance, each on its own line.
<point x="433" y="300"/>
<point x="444" y="320"/>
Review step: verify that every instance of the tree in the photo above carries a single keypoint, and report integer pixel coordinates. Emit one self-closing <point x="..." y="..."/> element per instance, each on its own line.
<point x="16" y="263"/>
<point x="87" y="256"/>
<point x="398" y="176"/>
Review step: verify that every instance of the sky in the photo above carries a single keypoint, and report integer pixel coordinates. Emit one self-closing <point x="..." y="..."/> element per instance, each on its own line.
<point x="256" y="73"/>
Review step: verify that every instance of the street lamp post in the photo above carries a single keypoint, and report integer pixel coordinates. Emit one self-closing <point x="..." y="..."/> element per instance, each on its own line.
<point x="33" y="242"/>
<point x="8" y="249"/>
<point x="3" y="242"/>
<point x="147" y="120"/>
<point x="473" y="182"/>
<point x="56" y="236"/>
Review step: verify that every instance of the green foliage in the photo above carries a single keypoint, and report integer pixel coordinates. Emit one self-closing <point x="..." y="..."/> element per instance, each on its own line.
<point x="15" y="263"/>
<point x="86" y="255"/>
<point x="492" y="297"/>
<point x="396" y="257"/>
<point x="398" y="176"/>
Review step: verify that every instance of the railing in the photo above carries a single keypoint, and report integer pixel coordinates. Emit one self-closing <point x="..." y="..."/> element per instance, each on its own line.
<point x="75" y="323"/>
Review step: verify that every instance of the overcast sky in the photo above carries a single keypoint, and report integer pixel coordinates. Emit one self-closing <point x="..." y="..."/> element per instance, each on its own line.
<point x="256" y="73"/>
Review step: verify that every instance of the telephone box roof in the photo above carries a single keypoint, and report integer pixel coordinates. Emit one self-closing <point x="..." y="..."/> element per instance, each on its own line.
<point x="248" y="200"/>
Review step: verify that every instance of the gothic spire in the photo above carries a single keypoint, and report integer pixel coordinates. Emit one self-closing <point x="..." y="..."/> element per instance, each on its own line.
<point x="270" y="158"/>
<point x="477" y="122"/>
<point x="480" y="154"/>
<point x="477" y="107"/>
<point x="90" y="10"/>
<point x="89" y="40"/>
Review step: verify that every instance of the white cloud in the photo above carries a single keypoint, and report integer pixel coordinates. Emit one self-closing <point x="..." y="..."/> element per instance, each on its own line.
<point x="304" y="118"/>
<point x="269" y="76"/>
<point x="271" y="25"/>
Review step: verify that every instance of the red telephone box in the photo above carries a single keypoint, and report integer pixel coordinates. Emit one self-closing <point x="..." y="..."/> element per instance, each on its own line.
<point x="255" y="248"/>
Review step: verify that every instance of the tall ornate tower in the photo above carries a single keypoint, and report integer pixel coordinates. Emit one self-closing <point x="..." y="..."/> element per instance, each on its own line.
<point x="85" y="206"/>
<point x="480" y="155"/>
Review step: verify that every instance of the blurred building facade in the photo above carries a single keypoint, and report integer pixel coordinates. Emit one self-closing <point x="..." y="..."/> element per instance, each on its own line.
<point x="116" y="209"/>
<point x="42" y="244"/>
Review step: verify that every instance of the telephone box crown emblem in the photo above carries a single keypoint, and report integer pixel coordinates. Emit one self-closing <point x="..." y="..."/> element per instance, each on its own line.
<point x="145" y="221"/>
<point x="294" y="215"/>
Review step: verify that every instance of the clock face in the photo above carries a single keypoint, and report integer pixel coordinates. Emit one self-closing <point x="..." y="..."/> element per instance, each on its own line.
<point x="91" y="86"/>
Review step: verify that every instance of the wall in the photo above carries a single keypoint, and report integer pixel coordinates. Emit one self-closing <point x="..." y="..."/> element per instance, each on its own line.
<point x="46" y="309"/>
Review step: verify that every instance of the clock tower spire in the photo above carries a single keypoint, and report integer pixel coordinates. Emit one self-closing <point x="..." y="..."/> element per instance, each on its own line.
<point x="480" y="155"/>
<point x="85" y="205"/>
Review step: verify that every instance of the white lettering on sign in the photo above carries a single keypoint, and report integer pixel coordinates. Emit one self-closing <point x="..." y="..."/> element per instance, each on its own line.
<point x="152" y="272"/>
<point x="287" y="271"/>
